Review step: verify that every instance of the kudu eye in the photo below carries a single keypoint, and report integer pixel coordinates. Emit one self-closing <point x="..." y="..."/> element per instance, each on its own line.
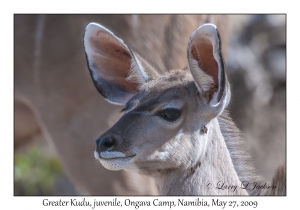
<point x="170" y="114"/>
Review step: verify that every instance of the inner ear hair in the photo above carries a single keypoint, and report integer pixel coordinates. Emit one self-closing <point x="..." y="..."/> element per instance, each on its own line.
<point x="206" y="62"/>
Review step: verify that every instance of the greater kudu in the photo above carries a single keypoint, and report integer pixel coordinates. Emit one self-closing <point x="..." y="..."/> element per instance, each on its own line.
<point x="175" y="127"/>
<point x="51" y="84"/>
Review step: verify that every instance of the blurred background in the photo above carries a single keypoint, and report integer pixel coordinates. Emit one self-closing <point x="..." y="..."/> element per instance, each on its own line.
<point x="256" y="66"/>
<point x="257" y="70"/>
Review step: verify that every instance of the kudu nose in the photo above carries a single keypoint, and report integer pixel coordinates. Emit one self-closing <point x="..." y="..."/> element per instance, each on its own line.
<point x="105" y="143"/>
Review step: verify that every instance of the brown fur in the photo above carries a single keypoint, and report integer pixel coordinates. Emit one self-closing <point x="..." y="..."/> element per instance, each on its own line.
<point x="279" y="182"/>
<point x="242" y="160"/>
<point x="50" y="73"/>
<point x="147" y="141"/>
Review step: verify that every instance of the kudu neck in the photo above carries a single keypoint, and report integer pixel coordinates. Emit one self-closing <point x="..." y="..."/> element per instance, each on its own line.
<point x="212" y="174"/>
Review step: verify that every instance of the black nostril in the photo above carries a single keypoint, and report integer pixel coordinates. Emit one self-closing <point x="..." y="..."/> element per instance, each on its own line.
<point x="104" y="144"/>
<point x="107" y="143"/>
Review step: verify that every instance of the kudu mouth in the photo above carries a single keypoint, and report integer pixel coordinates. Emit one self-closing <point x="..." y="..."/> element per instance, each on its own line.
<point x="115" y="162"/>
<point x="108" y="155"/>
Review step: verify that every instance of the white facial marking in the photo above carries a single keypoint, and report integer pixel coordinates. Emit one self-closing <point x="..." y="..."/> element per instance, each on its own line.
<point x="114" y="154"/>
<point x="164" y="154"/>
<point x="115" y="160"/>
<point x="116" y="163"/>
<point x="96" y="154"/>
<point x="178" y="136"/>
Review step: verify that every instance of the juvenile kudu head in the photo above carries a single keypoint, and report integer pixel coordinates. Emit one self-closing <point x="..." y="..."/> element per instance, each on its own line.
<point x="167" y="117"/>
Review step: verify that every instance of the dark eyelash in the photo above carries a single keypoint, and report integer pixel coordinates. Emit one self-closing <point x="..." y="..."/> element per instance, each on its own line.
<point x="123" y="110"/>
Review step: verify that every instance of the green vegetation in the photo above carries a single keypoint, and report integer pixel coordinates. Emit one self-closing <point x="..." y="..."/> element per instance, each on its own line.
<point x="35" y="173"/>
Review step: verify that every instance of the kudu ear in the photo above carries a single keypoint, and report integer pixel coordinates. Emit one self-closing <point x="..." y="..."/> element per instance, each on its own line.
<point x="117" y="71"/>
<point x="207" y="66"/>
